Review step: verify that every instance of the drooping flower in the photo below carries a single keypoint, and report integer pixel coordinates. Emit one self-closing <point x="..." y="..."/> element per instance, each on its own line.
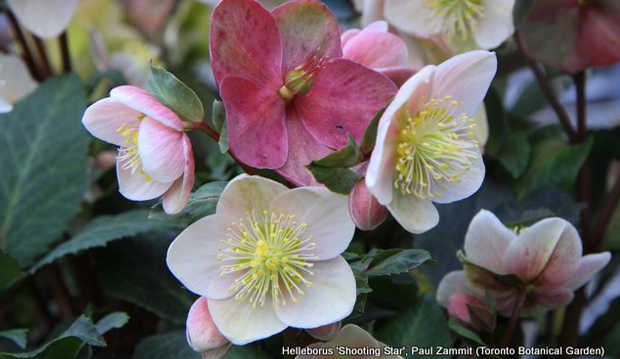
<point x="155" y="156"/>
<point x="289" y="96"/>
<point x="574" y="34"/>
<point x="378" y="49"/>
<point x="426" y="150"/>
<point x="269" y="258"/>
<point x="44" y="18"/>
<point x="354" y="339"/>
<point x="202" y="334"/>
<point x="544" y="262"/>
<point x="16" y="81"/>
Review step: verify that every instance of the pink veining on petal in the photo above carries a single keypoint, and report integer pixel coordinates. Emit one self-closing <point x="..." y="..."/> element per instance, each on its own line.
<point x="178" y="195"/>
<point x="144" y="102"/>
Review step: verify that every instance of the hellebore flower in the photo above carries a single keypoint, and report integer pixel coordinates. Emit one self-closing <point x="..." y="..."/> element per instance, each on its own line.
<point x="462" y="24"/>
<point x="543" y="262"/>
<point x="269" y="258"/>
<point x="16" y="81"/>
<point x="426" y="150"/>
<point x="352" y="338"/>
<point x="574" y="34"/>
<point x="367" y="213"/>
<point x="44" y="18"/>
<point x="202" y="334"/>
<point x="155" y="156"/>
<point x="378" y="49"/>
<point x="289" y="96"/>
<point x="326" y="332"/>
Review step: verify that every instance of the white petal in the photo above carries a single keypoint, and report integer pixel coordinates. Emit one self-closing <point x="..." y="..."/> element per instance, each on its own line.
<point x="326" y="215"/>
<point x="5" y="106"/>
<point x="244" y="194"/>
<point x="496" y="25"/>
<point x="381" y="166"/>
<point x="104" y="118"/>
<point x="44" y="18"/>
<point x="192" y="258"/>
<point x="372" y="10"/>
<point x="588" y="267"/>
<point x="241" y="323"/>
<point x="414" y="214"/>
<point x="19" y="82"/>
<point x="563" y="261"/>
<point x="481" y="131"/>
<point x="469" y="184"/>
<point x="413" y="17"/>
<point x="466" y="78"/>
<point x="455" y="282"/>
<point x="135" y="186"/>
<point x="486" y="241"/>
<point x="179" y="193"/>
<point x="330" y="298"/>
<point x="161" y="150"/>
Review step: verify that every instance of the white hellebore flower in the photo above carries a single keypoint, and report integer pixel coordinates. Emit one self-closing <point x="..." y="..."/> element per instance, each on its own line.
<point x="426" y="149"/>
<point x="44" y="18"/>
<point x="464" y="24"/>
<point x="269" y="258"/>
<point x="15" y="81"/>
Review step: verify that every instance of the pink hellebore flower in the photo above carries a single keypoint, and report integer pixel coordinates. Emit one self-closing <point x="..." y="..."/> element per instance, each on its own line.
<point x="289" y="95"/>
<point x="458" y="307"/>
<point x="202" y="334"/>
<point x="378" y="49"/>
<point x="367" y="213"/>
<point x="155" y="156"/>
<point x="543" y="261"/>
<point x="426" y="149"/>
<point x="269" y="258"/>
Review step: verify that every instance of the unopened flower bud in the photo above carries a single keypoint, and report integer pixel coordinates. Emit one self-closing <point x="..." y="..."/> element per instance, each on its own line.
<point x="364" y="208"/>
<point x="202" y="334"/>
<point x="325" y="333"/>
<point x="458" y="304"/>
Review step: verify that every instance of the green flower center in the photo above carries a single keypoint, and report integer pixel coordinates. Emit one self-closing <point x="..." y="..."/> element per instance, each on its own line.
<point x="128" y="154"/>
<point x="456" y="19"/>
<point x="435" y="147"/>
<point x="299" y="80"/>
<point x="270" y="255"/>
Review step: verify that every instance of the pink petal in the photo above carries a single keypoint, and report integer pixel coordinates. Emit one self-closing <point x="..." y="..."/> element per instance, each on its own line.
<point x="564" y="261"/>
<point x="306" y="27"/>
<point x="550" y="299"/>
<point x="587" y="268"/>
<point x="202" y="334"/>
<point x="303" y="148"/>
<point x="330" y="298"/>
<point x="455" y="282"/>
<point x="256" y="122"/>
<point x="161" y="150"/>
<point x="377" y="26"/>
<point x="142" y="101"/>
<point x="343" y="99"/>
<point x="178" y="195"/>
<point x="486" y="241"/>
<point x="103" y="118"/>
<point x="348" y="35"/>
<point x="135" y="186"/>
<point x="599" y="40"/>
<point x="245" y="41"/>
<point x="399" y="75"/>
<point x="377" y="50"/>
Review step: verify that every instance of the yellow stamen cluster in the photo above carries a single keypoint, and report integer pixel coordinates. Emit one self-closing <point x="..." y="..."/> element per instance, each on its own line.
<point x="269" y="256"/>
<point x="456" y="19"/>
<point x="128" y="154"/>
<point x="437" y="146"/>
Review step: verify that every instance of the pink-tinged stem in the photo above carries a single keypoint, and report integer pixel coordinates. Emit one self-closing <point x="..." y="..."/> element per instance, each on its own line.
<point x="514" y="319"/>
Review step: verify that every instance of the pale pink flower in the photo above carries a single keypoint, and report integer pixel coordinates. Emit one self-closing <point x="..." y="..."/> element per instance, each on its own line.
<point x="269" y="258"/>
<point x="367" y="213"/>
<point x="155" y="156"/>
<point x="426" y="150"/>
<point x="458" y="307"/>
<point x="44" y="18"/>
<point x="202" y="334"/>
<point x="545" y="260"/>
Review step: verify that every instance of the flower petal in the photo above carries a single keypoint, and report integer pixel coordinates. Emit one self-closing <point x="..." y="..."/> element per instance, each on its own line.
<point x="382" y="161"/>
<point x="5" y="106"/>
<point x="455" y="282"/>
<point x="528" y="255"/>
<point x="564" y="260"/>
<point x="470" y="183"/>
<point x="466" y="78"/>
<point x="161" y="150"/>
<point x="306" y="27"/>
<point x="481" y="131"/>
<point x="245" y="194"/>
<point x="178" y="195"/>
<point x="44" y="18"/>
<point x="348" y="35"/>
<point x="135" y="186"/>
<point x="372" y="11"/>
<point x="550" y="299"/>
<point x="142" y="101"/>
<point x="399" y="75"/>
<point x="326" y="215"/>
<point x="256" y="122"/>
<point x="241" y="323"/>
<point x="245" y="41"/>
<point x="330" y="298"/>
<point x="202" y="334"/>
<point x="413" y="17"/>
<point x="496" y="25"/>
<point x="343" y="99"/>
<point x="587" y="268"/>
<point x="486" y="241"/>
<point x="103" y="119"/>
<point x="377" y="50"/>
<point x="303" y="148"/>
<point x="414" y="214"/>
<point x="19" y="82"/>
<point x="192" y="258"/>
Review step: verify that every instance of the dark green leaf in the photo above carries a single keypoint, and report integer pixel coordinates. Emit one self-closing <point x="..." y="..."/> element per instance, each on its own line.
<point x="370" y="135"/>
<point x="9" y="270"/>
<point x="219" y="121"/>
<point x="246" y="352"/>
<point x="165" y="346"/>
<point x="379" y="262"/>
<point x="346" y="157"/>
<point x="464" y="332"/>
<point x="333" y="170"/>
<point x="361" y="281"/>
<point x="201" y="204"/>
<point x="175" y="95"/>
<point x="514" y="153"/>
<point x="17" y="336"/>
<point x="43" y="150"/>
<point x="104" y="229"/>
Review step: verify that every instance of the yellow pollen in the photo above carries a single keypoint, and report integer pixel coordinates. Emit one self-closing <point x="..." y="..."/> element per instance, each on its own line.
<point x="270" y="256"/>
<point x="436" y="148"/>
<point x="128" y="154"/>
<point x="456" y="19"/>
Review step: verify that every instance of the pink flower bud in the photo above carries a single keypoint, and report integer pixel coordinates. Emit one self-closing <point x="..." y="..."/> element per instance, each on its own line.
<point x="325" y="333"/>
<point x="364" y="208"/>
<point x="202" y="334"/>
<point x="457" y="308"/>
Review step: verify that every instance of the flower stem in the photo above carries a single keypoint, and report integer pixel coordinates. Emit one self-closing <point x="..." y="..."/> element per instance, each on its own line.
<point x="64" y="50"/>
<point x="514" y="319"/>
<point x="47" y="67"/>
<point x="26" y="53"/>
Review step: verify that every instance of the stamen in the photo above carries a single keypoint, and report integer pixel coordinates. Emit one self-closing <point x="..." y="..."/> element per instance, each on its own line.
<point x="128" y="153"/>
<point x="456" y="19"/>
<point x="299" y="80"/>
